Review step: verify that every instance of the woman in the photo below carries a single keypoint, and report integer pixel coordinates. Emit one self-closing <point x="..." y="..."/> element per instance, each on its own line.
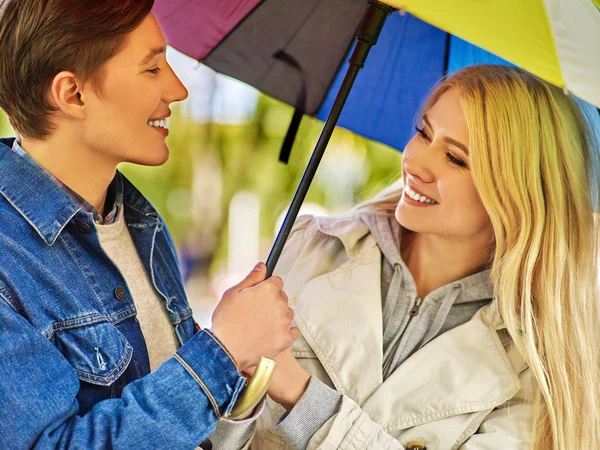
<point x="457" y="309"/>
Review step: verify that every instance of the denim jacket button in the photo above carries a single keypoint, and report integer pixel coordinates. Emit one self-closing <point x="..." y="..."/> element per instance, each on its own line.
<point x="84" y="228"/>
<point x="206" y="445"/>
<point x="120" y="293"/>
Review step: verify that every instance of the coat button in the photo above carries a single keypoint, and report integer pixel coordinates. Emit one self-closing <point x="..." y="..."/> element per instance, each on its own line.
<point x="415" y="445"/>
<point x="120" y="293"/>
<point x="84" y="228"/>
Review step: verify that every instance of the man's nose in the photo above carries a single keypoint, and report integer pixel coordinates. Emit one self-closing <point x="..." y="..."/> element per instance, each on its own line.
<point x="175" y="91"/>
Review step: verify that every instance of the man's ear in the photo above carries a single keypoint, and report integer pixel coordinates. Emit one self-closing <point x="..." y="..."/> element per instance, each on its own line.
<point x="66" y="92"/>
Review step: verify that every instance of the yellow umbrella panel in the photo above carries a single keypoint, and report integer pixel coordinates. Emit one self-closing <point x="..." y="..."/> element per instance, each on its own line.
<point x="557" y="40"/>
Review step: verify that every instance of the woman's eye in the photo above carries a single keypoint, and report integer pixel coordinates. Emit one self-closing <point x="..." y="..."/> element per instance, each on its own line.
<point x="454" y="160"/>
<point x="422" y="133"/>
<point x="154" y="71"/>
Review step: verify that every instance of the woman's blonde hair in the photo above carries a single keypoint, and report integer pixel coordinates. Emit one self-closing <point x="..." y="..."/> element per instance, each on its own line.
<point x="534" y="162"/>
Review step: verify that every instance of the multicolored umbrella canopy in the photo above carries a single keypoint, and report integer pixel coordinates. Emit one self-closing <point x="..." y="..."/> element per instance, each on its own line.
<point x="296" y="50"/>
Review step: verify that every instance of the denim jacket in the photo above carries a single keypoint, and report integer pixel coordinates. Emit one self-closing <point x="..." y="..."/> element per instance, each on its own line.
<point x="74" y="369"/>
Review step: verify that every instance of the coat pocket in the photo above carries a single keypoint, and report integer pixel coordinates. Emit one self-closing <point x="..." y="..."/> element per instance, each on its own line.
<point x="96" y="349"/>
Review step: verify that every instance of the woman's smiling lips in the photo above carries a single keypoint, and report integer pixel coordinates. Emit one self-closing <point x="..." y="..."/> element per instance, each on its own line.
<point x="414" y="197"/>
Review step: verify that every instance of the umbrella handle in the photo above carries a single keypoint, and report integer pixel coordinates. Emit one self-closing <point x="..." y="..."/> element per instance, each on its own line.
<point x="255" y="390"/>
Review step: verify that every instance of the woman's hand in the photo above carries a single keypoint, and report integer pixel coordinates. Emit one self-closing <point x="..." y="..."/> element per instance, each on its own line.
<point x="289" y="381"/>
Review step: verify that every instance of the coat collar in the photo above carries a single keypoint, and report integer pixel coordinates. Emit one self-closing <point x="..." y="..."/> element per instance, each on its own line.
<point x="351" y="231"/>
<point x="484" y="374"/>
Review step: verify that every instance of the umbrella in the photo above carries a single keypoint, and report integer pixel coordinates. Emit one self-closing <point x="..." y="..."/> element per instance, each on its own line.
<point x="304" y="52"/>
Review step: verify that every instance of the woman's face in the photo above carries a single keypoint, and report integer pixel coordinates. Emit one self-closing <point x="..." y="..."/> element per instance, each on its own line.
<point x="439" y="196"/>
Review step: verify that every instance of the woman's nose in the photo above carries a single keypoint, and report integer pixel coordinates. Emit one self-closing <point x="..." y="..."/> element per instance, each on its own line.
<point x="419" y="165"/>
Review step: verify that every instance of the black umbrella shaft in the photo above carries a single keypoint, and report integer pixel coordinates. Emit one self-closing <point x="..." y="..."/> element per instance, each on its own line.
<point x="366" y="37"/>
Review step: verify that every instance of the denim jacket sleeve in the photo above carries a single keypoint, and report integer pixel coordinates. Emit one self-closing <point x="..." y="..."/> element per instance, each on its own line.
<point x="175" y="407"/>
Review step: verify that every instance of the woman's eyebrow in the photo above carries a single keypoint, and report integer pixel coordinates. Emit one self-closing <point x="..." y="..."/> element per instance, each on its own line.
<point x="449" y="140"/>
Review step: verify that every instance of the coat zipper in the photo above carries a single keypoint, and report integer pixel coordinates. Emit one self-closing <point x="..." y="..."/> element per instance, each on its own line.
<point x="415" y="309"/>
<point x="413" y="312"/>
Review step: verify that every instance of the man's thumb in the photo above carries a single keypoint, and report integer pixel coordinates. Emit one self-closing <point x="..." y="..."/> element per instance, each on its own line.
<point x="257" y="275"/>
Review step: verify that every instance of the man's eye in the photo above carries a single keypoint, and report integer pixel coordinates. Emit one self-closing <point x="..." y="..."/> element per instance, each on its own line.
<point x="154" y="71"/>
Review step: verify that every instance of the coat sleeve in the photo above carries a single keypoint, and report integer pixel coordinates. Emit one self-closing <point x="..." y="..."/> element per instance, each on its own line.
<point x="236" y="434"/>
<point x="352" y="429"/>
<point x="176" y="407"/>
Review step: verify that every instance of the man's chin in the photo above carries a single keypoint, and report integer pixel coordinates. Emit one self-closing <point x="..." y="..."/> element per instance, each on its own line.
<point x="153" y="159"/>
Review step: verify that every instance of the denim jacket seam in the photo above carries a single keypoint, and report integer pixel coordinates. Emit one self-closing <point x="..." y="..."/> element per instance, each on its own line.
<point x="70" y="323"/>
<point x="126" y="314"/>
<point x="180" y="316"/>
<point x="9" y="298"/>
<point x="152" y="275"/>
<point x="139" y="211"/>
<point x="201" y="383"/>
<point x="220" y="344"/>
<point x="78" y="322"/>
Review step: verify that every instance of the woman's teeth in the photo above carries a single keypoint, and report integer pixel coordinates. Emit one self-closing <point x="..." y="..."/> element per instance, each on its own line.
<point x="416" y="197"/>
<point x="164" y="123"/>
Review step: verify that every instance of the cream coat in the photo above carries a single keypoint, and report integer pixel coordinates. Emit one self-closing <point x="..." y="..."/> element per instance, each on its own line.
<point x="467" y="389"/>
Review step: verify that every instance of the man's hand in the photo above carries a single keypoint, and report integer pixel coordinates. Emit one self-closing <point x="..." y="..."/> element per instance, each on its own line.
<point x="289" y="381"/>
<point x="253" y="319"/>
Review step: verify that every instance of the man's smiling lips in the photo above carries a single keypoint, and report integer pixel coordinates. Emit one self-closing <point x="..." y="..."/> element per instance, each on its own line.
<point x="160" y="124"/>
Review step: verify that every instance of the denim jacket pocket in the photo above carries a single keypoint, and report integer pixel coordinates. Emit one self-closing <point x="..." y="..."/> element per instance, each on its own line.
<point x="96" y="349"/>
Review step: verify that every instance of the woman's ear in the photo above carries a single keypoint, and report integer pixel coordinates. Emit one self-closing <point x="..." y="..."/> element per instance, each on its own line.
<point x="66" y="94"/>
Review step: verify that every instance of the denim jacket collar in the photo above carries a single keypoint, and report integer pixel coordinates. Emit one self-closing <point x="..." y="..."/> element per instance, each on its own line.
<point x="47" y="207"/>
<point x="41" y="202"/>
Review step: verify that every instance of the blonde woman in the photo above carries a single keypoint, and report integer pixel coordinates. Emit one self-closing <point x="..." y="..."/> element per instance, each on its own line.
<point x="459" y="309"/>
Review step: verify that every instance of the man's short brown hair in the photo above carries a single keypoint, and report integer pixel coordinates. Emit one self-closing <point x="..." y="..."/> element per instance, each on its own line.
<point x="41" y="38"/>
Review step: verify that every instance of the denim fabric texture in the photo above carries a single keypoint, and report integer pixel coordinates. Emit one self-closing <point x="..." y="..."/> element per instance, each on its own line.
<point x="74" y="367"/>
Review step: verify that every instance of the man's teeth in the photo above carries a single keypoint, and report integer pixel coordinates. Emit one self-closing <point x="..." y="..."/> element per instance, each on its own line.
<point x="419" y="198"/>
<point x="164" y="123"/>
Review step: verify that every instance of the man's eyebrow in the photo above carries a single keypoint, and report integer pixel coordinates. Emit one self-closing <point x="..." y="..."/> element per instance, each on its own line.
<point x="155" y="51"/>
<point x="448" y="139"/>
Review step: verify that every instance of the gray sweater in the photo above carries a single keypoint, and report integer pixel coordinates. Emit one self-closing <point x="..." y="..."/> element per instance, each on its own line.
<point x="403" y="332"/>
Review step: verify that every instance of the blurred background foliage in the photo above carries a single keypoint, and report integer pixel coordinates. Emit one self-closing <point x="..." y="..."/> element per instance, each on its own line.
<point x="225" y="139"/>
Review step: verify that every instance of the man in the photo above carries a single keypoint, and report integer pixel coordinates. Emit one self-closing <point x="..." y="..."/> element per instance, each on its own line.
<point x="98" y="347"/>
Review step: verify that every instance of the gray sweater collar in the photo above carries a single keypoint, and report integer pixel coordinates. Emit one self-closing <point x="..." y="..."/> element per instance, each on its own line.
<point x="387" y="234"/>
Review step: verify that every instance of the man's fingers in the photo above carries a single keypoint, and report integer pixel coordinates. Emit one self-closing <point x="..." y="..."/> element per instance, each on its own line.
<point x="283" y="296"/>
<point x="294" y="333"/>
<point x="277" y="281"/>
<point x="256" y="276"/>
